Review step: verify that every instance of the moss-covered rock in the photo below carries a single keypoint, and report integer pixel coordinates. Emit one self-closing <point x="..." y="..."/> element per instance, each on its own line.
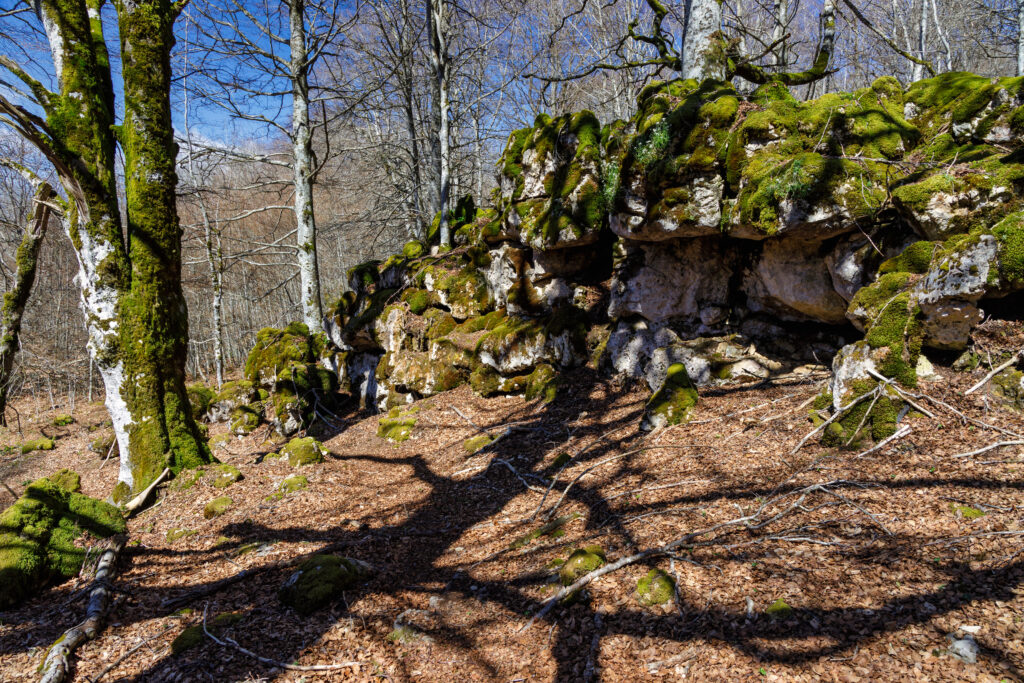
<point x="292" y="484"/>
<point x="177" y="533"/>
<point x="221" y="441"/>
<point x="200" y="397"/>
<point x="245" y="419"/>
<point x="103" y="444"/>
<point x="217" y="507"/>
<point x="193" y="635"/>
<point x="656" y="588"/>
<point x="475" y="443"/>
<point x="40" y="444"/>
<point x="225" y="475"/>
<point x="1009" y="386"/>
<point x="38" y="534"/>
<point x="62" y="420"/>
<point x="580" y="562"/>
<point x="673" y="402"/>
<point x="188" y="478"/>
<point x="778" y="609"/>
<point x="398" y="424"/>
<point x="304" y="451"/>
<point x="319" y="580"/>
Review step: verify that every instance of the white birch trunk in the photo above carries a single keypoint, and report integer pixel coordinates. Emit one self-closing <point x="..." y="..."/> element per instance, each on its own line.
<point x="303" y="163"/>
<point x="1020" y="37"/>
<point x="781" y="14"/>
<point x="703" y="21"/>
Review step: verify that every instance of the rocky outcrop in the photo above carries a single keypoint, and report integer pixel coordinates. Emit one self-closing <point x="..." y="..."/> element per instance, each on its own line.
<point x="733" y="236"/>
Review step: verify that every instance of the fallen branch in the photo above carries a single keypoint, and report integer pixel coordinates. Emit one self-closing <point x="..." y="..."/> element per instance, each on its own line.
<point x="839" y="413"/>
<point x="900" y="433"/>
<point x="990" y="447"/>
<point x="55" y="666"/>
<point x="266" y="660"/>
<point x="988" y="378"/>
<point x="114" y="664"/>
<point x="138" y="501"/>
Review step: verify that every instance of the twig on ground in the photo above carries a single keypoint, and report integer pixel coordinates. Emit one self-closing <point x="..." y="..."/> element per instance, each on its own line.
<point x="900" y="433"/>
<point x="273" y="662"/>
<point x="839" y="413"/>
<point x="114" y="664"/>
<point x="995" y="371"/>
<point x="986" y="449"/>
<point x="55" y="666"/>
<point x="657" y="488"/>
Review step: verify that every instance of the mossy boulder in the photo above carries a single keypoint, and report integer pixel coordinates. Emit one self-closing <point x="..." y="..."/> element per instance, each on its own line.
<point x="38" y="534"/>
<point x="1008" y="385"/>
<point x="398" y="424"/>
<point x="200" y="397"/>
<point x="304" y="451"/>
<point x="779" y="609"/>
<point x="275" y="350"/>
<point x="298" y="389"/>
<point x="581" y="562"/>
<point x="193" y="635"/>
<point x="476" y="443"/>
<point x="217" y="507"/>
<point x="245" y="419"/>
<point x="40" y="444"/>
<point x="231" y="396"/>
<point x="291" y="484"/>
<point x="673" y="402"/>
<point x="656" y="588"/>
<point x="103" y="444"/>
<point x="319" y="580"/>
<point x="225" y="475"/>
<point x="62" y="420"/>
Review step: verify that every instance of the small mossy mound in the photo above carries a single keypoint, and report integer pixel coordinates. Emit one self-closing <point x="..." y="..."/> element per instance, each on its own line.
<point x="778" y="609"/>
<point x="656" y="588"/>
<point x="63" y="420"/>
<point x="673" y="402"/>
<point x="186" y="479"/>
<point x="38" y="534"/>
<point x="319" y="580"/>
<point x="245" y="419"/>
<point x="966" y="511"/>
<point x="1008" y="385"/>
<point x="872" y="417"/>
<point x="217" y="507"/>
<point x="200" y="397"/>
<point x="291" y="484"/>
<point x="475" y="443"/>
<point x="193" y="635"/>
<point x="103" y="444"/>
<point x="552" y="529"/>
<point x="178" y="533"/>
<point x="221" y="440"/>
<point x="225" y="475"/>
<point x="581" y="562"/>
<point x="41" y="444"/>
<point x="397" y="425"/>
<point x="304" y="451"/>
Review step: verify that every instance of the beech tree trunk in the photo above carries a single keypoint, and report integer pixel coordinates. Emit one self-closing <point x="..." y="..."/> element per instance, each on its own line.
<point x="153" y="313"/>
<point x="303" y="169"/>
<point x="1020" y="37"/>
<point x="703" y="24"/>
<point x="439" y="59"/>
<point x="922" y="40"/>
<point x="13" y="307"/>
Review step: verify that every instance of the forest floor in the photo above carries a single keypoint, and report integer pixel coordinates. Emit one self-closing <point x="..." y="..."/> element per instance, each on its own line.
<point x="872" y="552"/>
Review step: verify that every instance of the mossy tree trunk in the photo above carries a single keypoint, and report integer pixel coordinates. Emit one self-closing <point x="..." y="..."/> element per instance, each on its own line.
<point x="13" y="307"/>
<point x="303" y="168"/>
<point x="77" y="138"/>
<point x="153" y="314"/>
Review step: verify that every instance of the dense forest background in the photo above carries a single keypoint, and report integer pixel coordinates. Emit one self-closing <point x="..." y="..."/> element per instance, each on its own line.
<point x="376" y="118"/>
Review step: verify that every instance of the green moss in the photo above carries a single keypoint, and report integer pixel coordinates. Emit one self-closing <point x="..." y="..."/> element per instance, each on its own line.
<point x="966" y="512"/>
<point x="916" y="258"/>
<point x="200" y="397"/>
<point x="225" y="476"/>
<point x="397" y="425"/>
<point x="221" y="440"/>
<point x="41" y="444"/>
<point x="656" y="588"/>
<point x="292" y="484"/>
<point x="102" y="444"/>
<point x="38" y="534"/>
<point x="276" y="350"/>
<point x="193" y="635"/>
<point x="318" y="580"/>
<point x="217" y="507"/>
<point x="245" y="419"/>
<point x="177" y="534"/>
<point x="188" y="479"/>
<point x="1010" y="235"/>
<point x="475" y="443"/>
<point x="674" y="401"/>
<point x="542" y="384"/>
<point x="67" y="480"/>
<point x="62" y="420"/>
<point x="418" y="299"/>
<point x="414" y="249"/>
<point x="304" y="451"/>
<point x="581" y="562"/>
<point x="552" y="528"/>
<point x="778" y="609"/>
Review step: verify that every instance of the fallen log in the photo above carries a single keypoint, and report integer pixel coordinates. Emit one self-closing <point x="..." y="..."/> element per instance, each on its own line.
<point x="55" y="666"/>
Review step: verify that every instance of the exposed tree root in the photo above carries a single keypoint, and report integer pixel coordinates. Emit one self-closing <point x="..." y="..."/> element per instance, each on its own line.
<point x="55" y="666"/>
<point x="995" y="371"/>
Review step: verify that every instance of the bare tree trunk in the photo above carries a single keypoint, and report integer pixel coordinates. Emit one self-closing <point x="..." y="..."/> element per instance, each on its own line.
<point x="947" y="49"/>
<point x="304" y="164"/>
<point x="14" y="301"/>
<point x="439" y="59"/>
<point x="703" y="24"/>
<point x="1020" y="37"/>
<point x="922" y="40"/>
<point x="780" y="13"/>
<point x="153" y="314"/>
